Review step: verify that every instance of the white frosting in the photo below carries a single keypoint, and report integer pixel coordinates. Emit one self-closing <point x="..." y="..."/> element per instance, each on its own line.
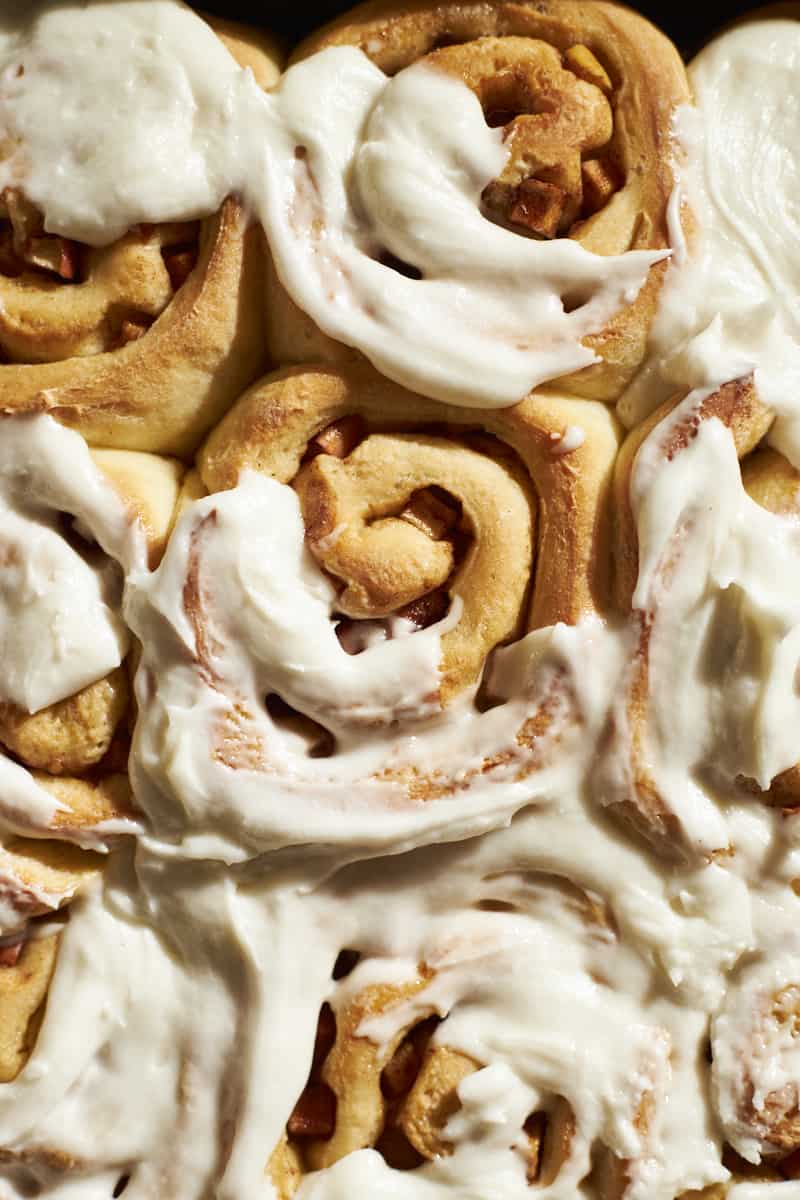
<point x="265" y="614"/>
<point x="571" y="439"/>
<point x="732" y="300"/>
<point x="567" y="957"/>
<point x="71" y="112"/>
<point x="717" y="589"/>
<point x="60" y="627"/>
<point x="400" y="165"/>
<point x="340" y="164"/>
<point x="60" y="622"/>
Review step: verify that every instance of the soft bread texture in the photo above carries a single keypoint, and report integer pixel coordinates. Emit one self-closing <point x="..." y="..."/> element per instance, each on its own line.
<point x="159" y="377"/>
<point x="71" y="735"/>
<point x="162" y="391"/>
<point x="23" y="990"/>
<point x="76" y="749"/>
<point x="270" y="427"/>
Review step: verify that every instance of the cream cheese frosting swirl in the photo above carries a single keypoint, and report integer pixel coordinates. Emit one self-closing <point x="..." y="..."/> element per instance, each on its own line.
<point x="213" y="768"/>
<point x="60" y="625"/>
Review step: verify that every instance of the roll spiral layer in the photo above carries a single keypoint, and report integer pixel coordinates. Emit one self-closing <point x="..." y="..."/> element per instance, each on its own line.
<point x="690" y="587"/>
<point x="143" y="343"/>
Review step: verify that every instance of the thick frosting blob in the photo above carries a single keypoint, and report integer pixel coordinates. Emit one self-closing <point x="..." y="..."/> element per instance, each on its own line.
<point x="66" y="541"/>
<point x="733" y="297"/>
<point x="60" y="628"/>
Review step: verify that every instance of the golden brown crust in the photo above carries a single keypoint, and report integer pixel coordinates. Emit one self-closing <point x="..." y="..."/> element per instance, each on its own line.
<point x="149" y="486"/>
<point x="23" y="989"/>
<point x="270" y="427"/>
<point x="599" y="44"/>
<point x="120" y="291"/>
<point x="255" y="48"/>
<point x="163" y="390"/>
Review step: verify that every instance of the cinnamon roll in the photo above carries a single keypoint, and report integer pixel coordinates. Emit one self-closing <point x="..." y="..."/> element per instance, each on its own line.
<point x="716" y="595"/>
<point x="142" y="343"/>
<point x="398" y="793"/>
<point x="584" y="96"/>
<point x="415" y="541"/>
<point x="414" y="1060"/>
<point x="70" y="524"/>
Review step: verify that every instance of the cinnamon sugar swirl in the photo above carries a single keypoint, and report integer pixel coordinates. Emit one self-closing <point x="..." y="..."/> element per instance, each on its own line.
<point x="582" y="97"/>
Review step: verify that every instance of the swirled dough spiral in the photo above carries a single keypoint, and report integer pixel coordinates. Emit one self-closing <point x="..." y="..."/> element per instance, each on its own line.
<point x="585" y="94"/>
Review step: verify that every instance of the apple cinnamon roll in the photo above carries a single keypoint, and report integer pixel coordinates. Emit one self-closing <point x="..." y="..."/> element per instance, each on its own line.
<point x="400" y="546"/>
<point x="754" y="1047"/>
<point x="582" y="97"/>
<point x="422" y="1072"/>
<point x="70" y="525"/>
<point x="706" y="539"/>
<point x="140" y="344"/>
